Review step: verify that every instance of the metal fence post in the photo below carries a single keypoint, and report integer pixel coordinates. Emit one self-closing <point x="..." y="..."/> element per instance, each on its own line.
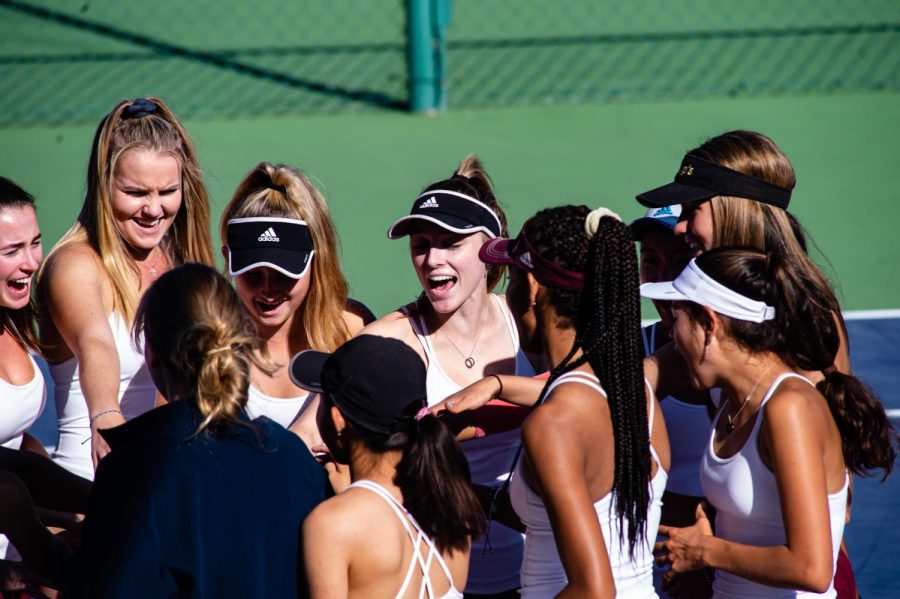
<point x="426" y="25"/>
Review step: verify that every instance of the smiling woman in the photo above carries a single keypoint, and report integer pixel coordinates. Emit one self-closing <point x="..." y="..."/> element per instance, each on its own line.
<point x="464" y="333"/>
<point x="274" y="226"/>
<point x="145" y="210"/>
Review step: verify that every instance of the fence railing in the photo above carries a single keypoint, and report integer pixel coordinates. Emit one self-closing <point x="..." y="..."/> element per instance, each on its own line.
<point x="70" y="62"/>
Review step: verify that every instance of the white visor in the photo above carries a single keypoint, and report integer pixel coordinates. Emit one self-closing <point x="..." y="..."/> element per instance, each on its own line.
<point x="694" y="285"/>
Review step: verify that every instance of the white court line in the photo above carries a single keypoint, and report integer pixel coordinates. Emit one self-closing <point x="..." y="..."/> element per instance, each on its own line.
<point x="893" y="414"/>
<point x="871" y="314"/>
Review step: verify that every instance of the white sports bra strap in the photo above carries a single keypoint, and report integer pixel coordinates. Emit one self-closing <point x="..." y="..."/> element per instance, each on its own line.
<point x="577" y="376"/>
<point x="406" y="518"/>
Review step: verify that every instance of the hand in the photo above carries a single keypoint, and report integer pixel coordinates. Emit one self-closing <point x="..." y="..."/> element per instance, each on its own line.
<point x="469" y="398"/>
<point x="99" y="447"/>
<point x="338" y="474"/>
<point x="684" y="547"/>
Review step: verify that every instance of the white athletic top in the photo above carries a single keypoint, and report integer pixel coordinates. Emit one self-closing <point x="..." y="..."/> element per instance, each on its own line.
<point x="136" y="396"/>
<point x="20" y="406"/>
<point x="543" y="574"/>
<point x="748" y="511"/>
<point x="284" y="411"/>
<point x="494" y="565"/>
<point x="418" y="538"/>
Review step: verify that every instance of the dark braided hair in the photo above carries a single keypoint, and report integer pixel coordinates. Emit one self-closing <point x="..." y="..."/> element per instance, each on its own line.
<point x="607" y="321"/>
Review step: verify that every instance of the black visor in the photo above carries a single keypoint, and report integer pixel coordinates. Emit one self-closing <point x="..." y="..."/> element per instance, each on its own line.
<point x="698" y="180"/>
<point x="449" y="210"/>
<point x="284" y="244"/>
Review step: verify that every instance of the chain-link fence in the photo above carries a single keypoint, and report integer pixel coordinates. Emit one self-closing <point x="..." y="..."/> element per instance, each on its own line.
<point x="70" y="62"/>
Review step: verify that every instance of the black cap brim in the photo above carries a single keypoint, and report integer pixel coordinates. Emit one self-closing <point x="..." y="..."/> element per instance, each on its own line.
<point x="288" y="262"/>
<point x="674" y="193"/>
<point x="305" y="369"/>
<point x="403" y="226"/>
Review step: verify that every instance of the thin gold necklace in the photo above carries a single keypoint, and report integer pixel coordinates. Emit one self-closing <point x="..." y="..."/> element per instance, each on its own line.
<point x="469" y="361"/>
<point x="729" y="426"/>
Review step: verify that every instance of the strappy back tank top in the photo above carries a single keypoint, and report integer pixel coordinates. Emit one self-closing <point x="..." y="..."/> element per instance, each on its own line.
<point x="494" y="566"/>
<point x="137" y="395"/>
<point x="748" y="510"/>
<point x="422" y="557"/>
<point x="543" y="574"/>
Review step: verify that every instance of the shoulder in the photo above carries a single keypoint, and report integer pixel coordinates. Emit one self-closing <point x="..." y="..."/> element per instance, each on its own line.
<point x="795" y="408"/>
<point x="357" y="316"/>
<point x="338" y="518"/>
<point x="571" y="407"/>
<point x="393" y="324"/>
<point x="74" y="262"/>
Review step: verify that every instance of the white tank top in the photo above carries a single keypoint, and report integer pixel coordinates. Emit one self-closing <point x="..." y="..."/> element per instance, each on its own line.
<point x="20" y="406"/>
<point x="284" y="411"/>
<point x="418" y="538"/>
<point x="136" y="396"/>
<point x="688" y="426"/>
<point x="494" y="565"/>
<point x="748" y="510"/>
<point x="543" y="574"/>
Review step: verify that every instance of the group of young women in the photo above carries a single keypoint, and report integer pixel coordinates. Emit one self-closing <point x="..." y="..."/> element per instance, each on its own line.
<point x="178" y="387"/>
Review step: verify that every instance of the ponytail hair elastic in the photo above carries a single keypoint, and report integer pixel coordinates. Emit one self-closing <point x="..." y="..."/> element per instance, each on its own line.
<point x="422" y="413"/>
<point x="139" y="108"/>
<point x="592" y="220"/>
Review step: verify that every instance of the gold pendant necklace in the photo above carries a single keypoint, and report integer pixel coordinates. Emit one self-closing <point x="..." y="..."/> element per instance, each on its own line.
<point x="729" y="426"/>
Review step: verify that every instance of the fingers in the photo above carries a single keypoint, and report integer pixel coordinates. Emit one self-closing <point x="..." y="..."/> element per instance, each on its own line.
<point x="664" y="530"/>
<point x="700" y="512"/>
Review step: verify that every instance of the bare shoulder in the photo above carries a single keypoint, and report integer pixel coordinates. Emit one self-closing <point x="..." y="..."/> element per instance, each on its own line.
<point x="74" y="268"/>
<point x="571" y="407"/>
<point x="795" y="408"/>
<point x="357" y="316"/>
<point x="334" y="517"/>
<point x="394" y="324"/>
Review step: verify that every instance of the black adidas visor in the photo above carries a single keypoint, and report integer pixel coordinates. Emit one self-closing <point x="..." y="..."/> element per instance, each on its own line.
<point x="698" y="180"/>
<point x="372" y="380"/>
<point x="284" y="244"/>
<point x="449" y="210"/>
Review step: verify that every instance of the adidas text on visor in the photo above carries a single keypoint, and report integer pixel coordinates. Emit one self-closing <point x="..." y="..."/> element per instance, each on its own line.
<point x="694" y="285"/>
<point x="284" y="244"/>
<point x="449" y="210"/>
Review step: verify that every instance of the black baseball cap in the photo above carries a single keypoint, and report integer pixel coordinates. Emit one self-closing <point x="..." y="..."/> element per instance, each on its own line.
<point x="698" y="180"/>
<point x="450" y="210"/>
<point x="372" y="380"/>
<point x="284" y="244"/>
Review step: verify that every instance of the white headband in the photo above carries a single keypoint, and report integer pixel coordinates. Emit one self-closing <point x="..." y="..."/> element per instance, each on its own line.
<point x="694" y="285"/>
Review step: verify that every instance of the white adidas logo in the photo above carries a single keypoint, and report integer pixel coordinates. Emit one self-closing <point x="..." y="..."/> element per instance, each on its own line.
<point x="429" y="203"/>
<point x="525" y="258"/>
<point x="269" y="235"/>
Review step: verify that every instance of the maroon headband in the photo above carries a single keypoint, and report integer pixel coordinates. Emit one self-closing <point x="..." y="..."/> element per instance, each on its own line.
<point x="520" y="253"/>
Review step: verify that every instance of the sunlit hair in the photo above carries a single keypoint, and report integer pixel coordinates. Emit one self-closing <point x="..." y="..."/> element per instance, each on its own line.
<point x="19" y="323"/>
<point x="194" y="324"/>
<point x="260" y="195"/>
<point x="188" y="239"/>
<point x="748" y="223"/>
<point x="805" y="336"/>
<point x="471" y="179"/>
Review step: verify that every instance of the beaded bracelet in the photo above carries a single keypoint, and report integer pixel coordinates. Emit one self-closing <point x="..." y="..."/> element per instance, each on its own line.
<point x="103" y="413"/>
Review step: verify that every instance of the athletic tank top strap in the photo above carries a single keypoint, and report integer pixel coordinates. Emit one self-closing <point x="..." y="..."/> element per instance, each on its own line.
<point x="649" y="339"/>
<point x="577" y="376"/>
<point x="510" y="323"/>
<point x="407" y="519"/>
<point x="417" y="322"/>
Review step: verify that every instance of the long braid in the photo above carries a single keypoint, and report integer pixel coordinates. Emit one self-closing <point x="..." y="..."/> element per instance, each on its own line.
<point x="606" y="317"/>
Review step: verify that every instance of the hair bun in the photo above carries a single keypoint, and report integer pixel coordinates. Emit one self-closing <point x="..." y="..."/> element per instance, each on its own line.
<point x="592" y="220"/>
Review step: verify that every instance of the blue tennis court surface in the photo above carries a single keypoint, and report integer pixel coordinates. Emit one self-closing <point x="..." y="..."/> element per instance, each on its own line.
<point x="873" y="539"/>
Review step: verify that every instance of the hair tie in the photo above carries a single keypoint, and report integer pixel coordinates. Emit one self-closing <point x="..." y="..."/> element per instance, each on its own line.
<point x="276" y="187"/>
<point x="830" y="370"/>
<point x="592" y="220"/>
<point x="422" y="413"/>
<point x="139" y="108"/>
<point x="219" y="349"/>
